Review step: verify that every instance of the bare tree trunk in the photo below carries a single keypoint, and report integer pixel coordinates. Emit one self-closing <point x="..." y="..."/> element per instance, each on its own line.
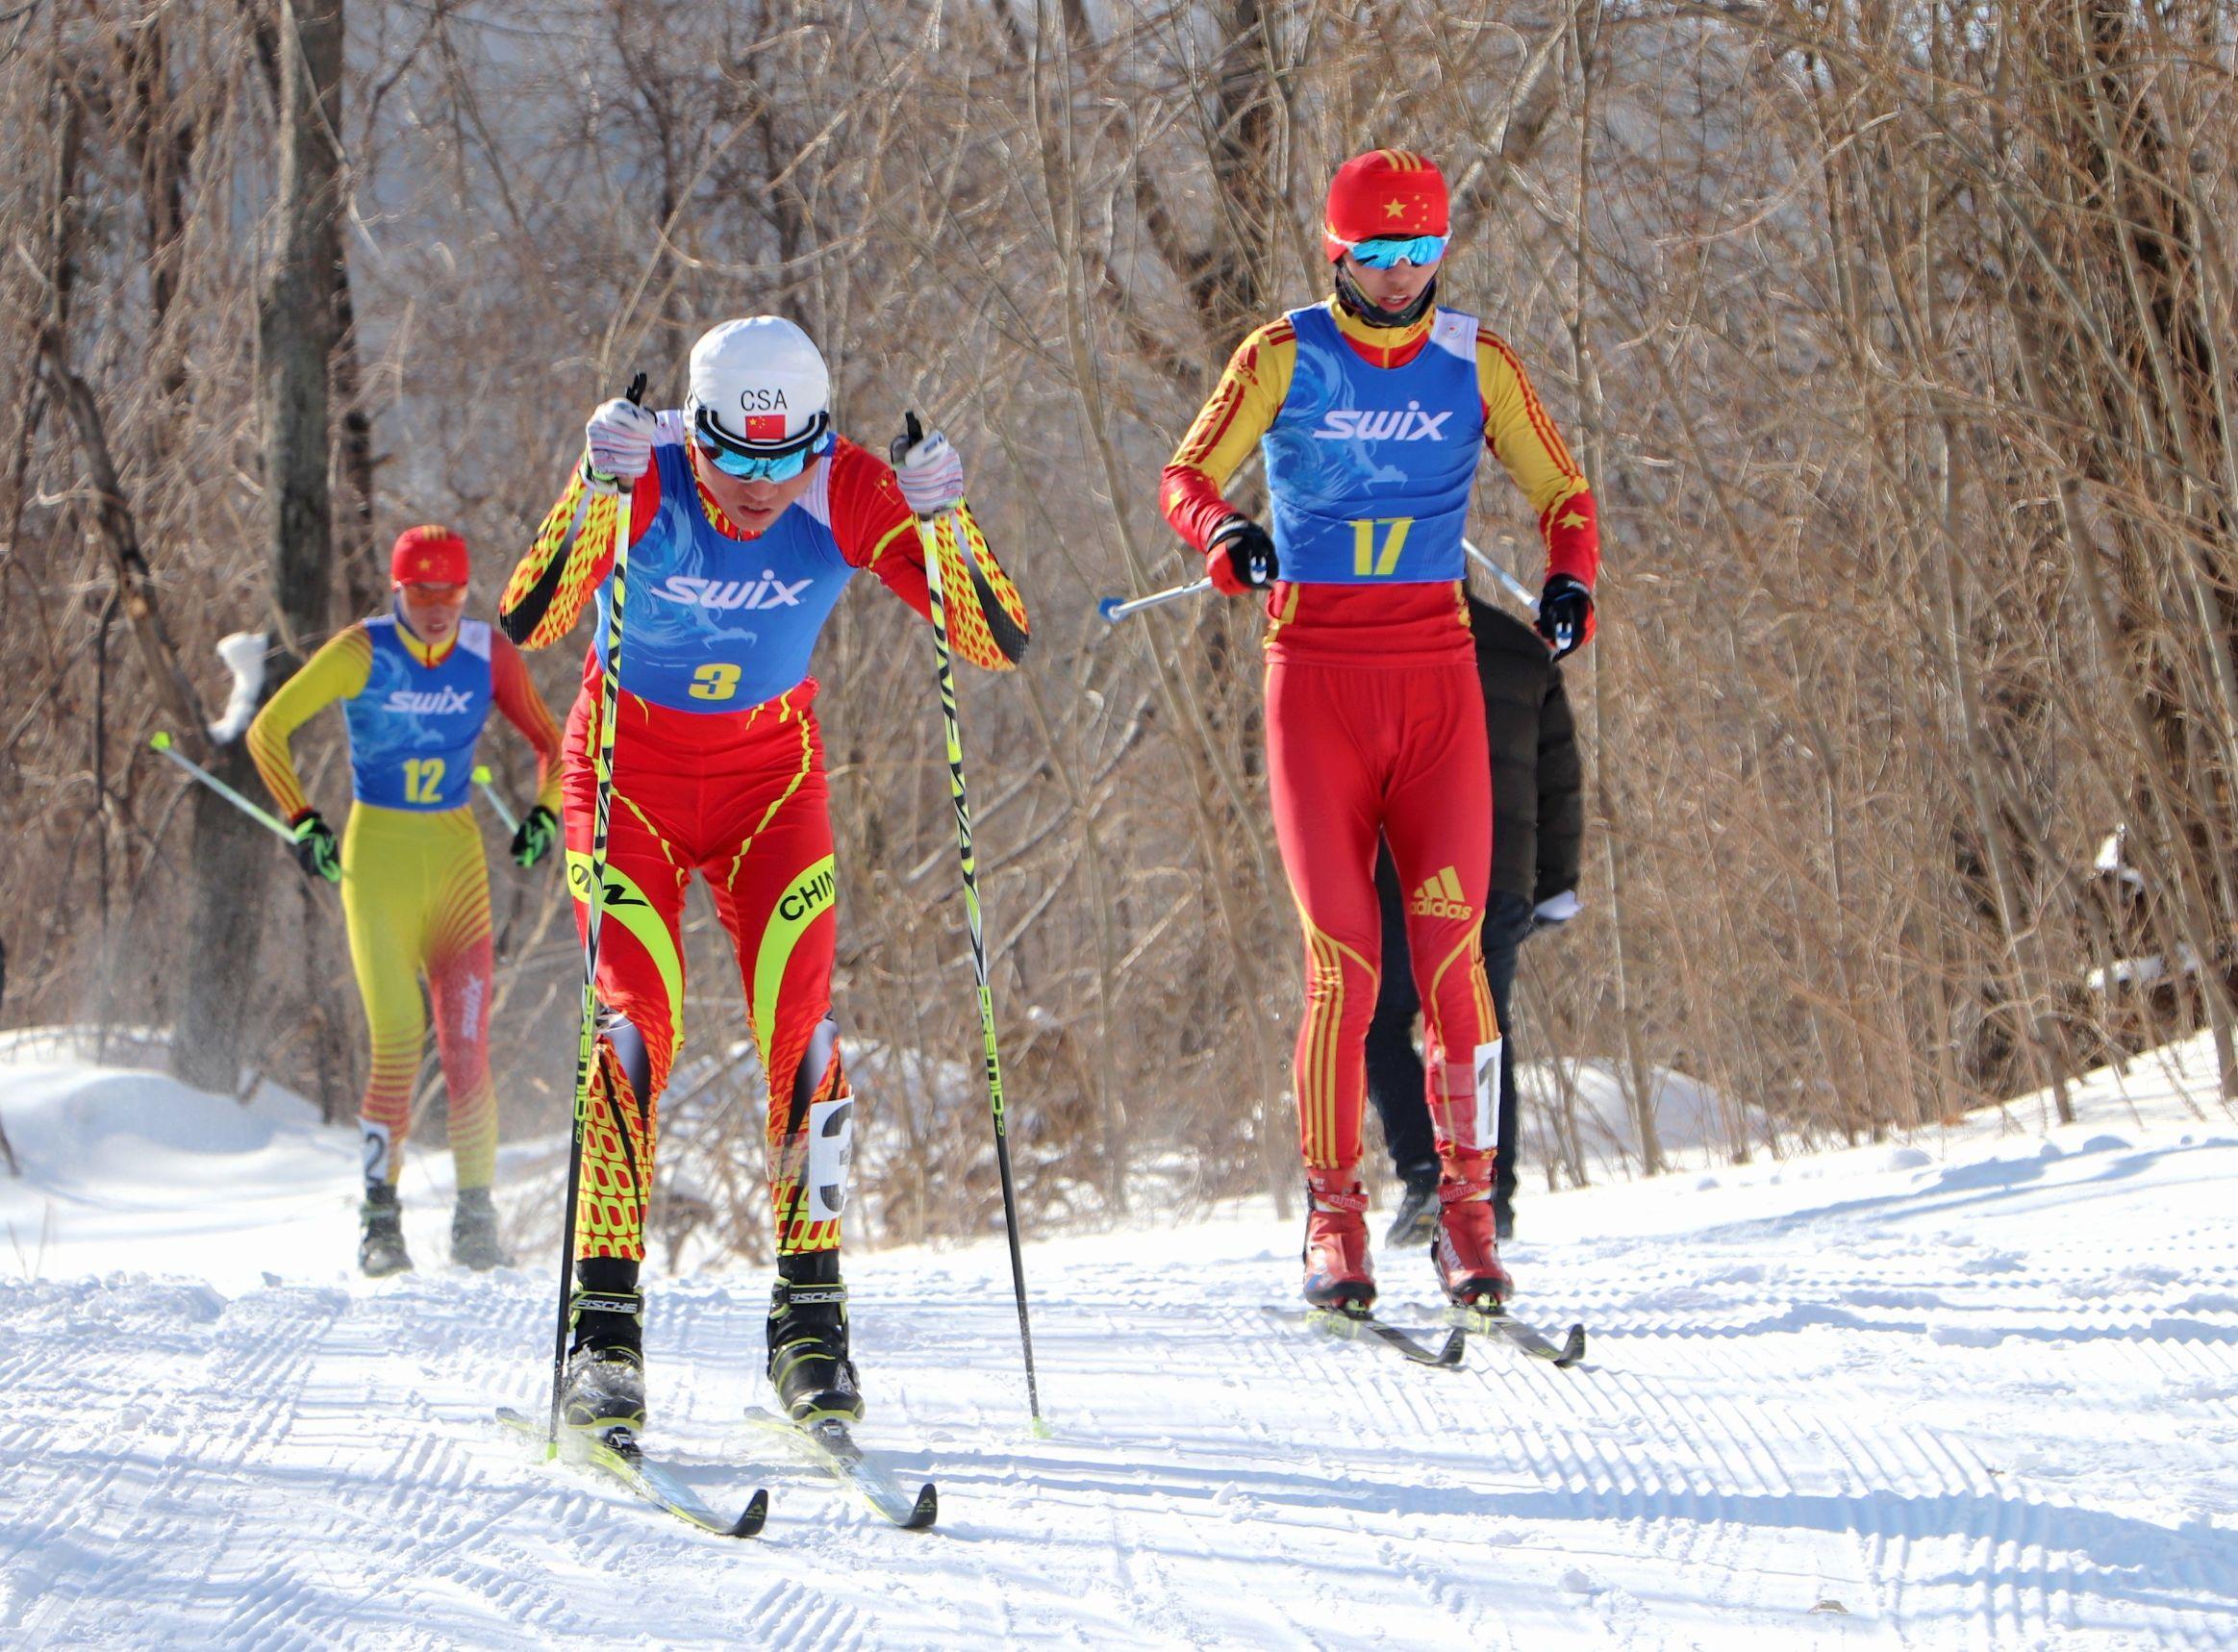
<point x="296" y="326"/>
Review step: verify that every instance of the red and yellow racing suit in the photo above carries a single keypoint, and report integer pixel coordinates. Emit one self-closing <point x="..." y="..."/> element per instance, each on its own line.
<point x="718" y="770"/>
<point x="1375" y="721"/>
<point x="415" y="888"/>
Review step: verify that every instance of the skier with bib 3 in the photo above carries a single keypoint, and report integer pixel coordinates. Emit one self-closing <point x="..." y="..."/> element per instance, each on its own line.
<point x="748" y="513"/>
<point x="416" y="685"/>
<point x="1369" y="410"/>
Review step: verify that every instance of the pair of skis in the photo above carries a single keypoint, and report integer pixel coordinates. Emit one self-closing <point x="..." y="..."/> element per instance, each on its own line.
<point x="1349" y="1327"/>
<point x="826" y="1445"/>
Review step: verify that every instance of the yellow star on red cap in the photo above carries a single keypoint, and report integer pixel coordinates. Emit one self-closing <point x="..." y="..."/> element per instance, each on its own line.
<point x="1394" y="208"/>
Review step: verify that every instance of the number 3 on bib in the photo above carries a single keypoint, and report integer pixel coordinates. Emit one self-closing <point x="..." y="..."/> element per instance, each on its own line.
<point x="714" y="682"/>
<point x="1371" y="560"/>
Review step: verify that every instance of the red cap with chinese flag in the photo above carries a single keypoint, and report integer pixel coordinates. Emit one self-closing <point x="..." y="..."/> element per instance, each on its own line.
<point x="1385" y="192"/>
<point x="428" y="555"/>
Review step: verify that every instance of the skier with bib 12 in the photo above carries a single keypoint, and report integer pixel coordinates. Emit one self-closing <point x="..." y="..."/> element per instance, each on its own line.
<point x="1369" y="409"/>
<point x="747" y="516"/>
<point x="416" y="685"/>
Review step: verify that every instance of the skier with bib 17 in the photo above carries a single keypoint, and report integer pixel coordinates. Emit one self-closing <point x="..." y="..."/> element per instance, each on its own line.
<point x="747" y="516"/>
<point x="416" y="685"/>
<point x="1369" y="408"/>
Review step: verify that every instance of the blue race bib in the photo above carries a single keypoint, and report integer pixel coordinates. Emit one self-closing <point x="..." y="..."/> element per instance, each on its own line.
<point x="1369" y="469"/>
<point x="717" y="624"/>
<point x="414" y="727"/>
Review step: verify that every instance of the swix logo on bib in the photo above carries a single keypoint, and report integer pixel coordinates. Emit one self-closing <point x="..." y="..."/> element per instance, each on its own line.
<point x="1409" y="424"/>
<point x="716" y="624"/>
<point x="414" y="727"/>
<point x="768" y="591"/>
<point x="1369" y="469"/>
<point x="435" y="702"/>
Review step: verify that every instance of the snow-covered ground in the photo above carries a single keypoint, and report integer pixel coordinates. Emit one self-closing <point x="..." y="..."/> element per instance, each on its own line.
<point x="1977" y="1390"/>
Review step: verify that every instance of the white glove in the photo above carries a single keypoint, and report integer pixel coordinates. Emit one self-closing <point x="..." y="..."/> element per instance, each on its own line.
<point x="931" y="474"/>
<point x="1555" y="910"/>
<point x="617" y="445"/>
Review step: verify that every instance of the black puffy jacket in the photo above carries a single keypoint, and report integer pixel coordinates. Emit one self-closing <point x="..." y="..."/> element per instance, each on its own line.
<point x="1537" y="780"/>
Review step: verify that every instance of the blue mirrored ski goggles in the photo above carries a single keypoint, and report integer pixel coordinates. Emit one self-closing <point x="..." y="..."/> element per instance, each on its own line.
<point x="765" y="463"/>
<point x="746" y="467"/>
<point x="1384" y="252"/>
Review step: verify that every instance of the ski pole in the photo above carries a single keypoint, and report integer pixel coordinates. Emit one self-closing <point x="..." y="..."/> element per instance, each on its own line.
<point x="482" y="779"/>
<point x="1112" y="609"/>
<point x="930" y="535"/>
<point x="595" y="893"/>
<point x="160" y="741"/>
<point x="1515" y="587"/>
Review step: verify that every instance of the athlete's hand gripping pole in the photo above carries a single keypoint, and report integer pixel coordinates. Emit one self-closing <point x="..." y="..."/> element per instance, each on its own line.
<point x="930" y="534"/>
<point x="160" y="741"/>
<point x="595" y="892"/>
<point x="1111" y="610"/>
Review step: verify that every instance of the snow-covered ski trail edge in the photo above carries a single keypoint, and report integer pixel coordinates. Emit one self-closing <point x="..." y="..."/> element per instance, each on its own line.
<point x="1959" y="1397"/>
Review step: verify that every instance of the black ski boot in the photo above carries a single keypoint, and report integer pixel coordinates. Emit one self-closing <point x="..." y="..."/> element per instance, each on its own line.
<point x="1416" y="1221"/>
<point x="603" y="1386"/>
<point x="380" y="1248"/>
<point x="808" y="1339"/>
<point x="474" y="1232"/>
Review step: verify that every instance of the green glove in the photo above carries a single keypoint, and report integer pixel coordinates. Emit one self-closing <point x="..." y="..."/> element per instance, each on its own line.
<point x="315" y="850"/>
<point x="533" y="836"/>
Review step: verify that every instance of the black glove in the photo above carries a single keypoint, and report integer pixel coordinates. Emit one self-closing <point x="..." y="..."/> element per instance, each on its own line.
<point x="315" y="850"/>
<point x="1242" y="557"/>
<point x="532" y="838"/>
<point x="1565" y="613"/>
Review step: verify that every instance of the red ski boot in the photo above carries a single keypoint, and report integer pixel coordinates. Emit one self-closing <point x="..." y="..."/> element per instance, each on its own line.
<point x="1467" y="1248"/>
<point x="1336" y="1271"/>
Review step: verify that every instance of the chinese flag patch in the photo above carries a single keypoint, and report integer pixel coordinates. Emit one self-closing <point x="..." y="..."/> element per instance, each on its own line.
<point x="765" y="427"/>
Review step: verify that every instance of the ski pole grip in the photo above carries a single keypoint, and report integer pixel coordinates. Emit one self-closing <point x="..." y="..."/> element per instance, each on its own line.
<point x="635" y="393"/>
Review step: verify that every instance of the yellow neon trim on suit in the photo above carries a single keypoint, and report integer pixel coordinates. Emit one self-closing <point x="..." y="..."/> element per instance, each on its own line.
<point x="625" y="904"/>
<point x="808" y="897"/>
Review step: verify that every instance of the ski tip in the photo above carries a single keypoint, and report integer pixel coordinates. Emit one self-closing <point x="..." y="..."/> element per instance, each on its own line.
<point x="1456" y="1347"/>
<point x="925" y="1510"/>
<point x="1572" y="1348"/>
<point x="749" y="1524"/>
<point x="1107" y="610"/>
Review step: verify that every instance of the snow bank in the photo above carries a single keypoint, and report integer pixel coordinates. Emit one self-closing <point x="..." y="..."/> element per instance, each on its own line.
<point x="123" y="1168"/>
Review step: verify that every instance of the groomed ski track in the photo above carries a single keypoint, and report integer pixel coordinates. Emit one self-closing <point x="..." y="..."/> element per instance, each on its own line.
<point x="1981" y="1390"/>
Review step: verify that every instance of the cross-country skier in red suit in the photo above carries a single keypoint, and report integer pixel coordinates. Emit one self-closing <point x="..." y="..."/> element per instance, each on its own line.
<point x="748" y="513"/>
<point x="1369" y="410"/>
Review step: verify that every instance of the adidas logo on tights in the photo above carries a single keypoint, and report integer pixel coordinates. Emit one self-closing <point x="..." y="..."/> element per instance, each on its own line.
<point x="1442" y="897"/>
